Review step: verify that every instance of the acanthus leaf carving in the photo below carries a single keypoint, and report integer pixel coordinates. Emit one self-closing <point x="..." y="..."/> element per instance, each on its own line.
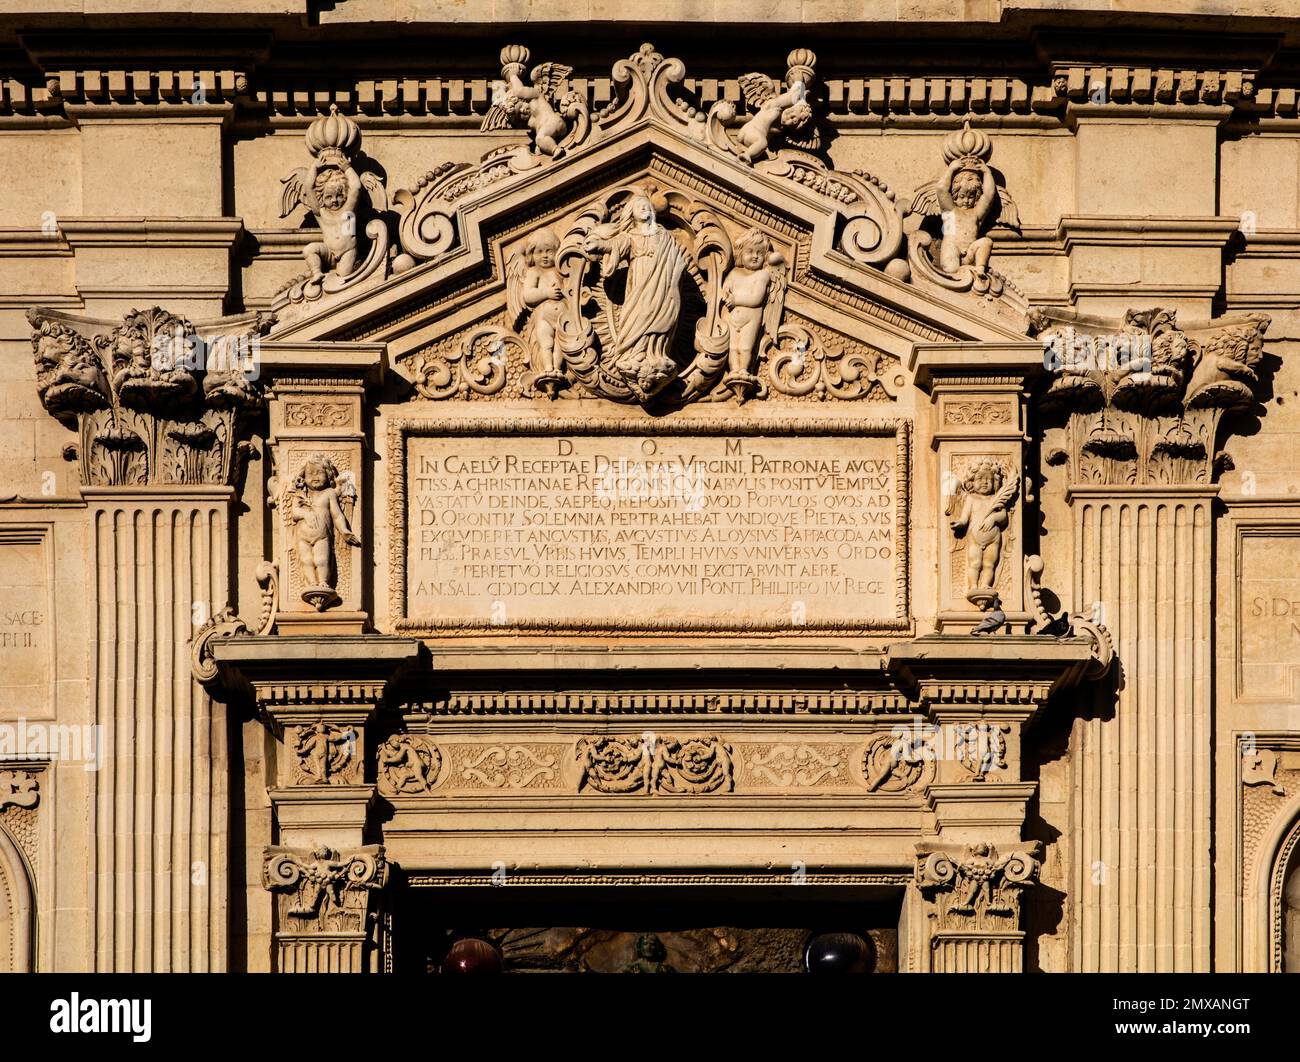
<point x="1143" y="403"/>
<point x="157" y="399"/>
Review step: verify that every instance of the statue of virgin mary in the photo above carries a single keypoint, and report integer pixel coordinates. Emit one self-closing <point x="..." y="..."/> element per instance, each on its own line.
<point x="643" y="328"/>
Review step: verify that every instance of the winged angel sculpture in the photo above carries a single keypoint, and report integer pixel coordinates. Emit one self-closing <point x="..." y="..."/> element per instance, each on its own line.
<point x="965" y="203"/>
<point x="782" y="114"/>
<point x="602" y="306"/>
<point x="543" y="107"/>
<point x="332" y="189"/>
<point x="980" y="511"/>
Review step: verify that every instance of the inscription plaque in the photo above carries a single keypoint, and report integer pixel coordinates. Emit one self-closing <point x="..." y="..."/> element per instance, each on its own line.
<point x="1268" y="614"/>
<point x="25" y="643"/>
<point x="599" y="525"/>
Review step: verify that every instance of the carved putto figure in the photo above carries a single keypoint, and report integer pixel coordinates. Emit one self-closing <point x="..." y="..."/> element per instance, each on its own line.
<point x="324" y="751"/>
<point x="539" y="106"/>
<point x="782" y="113"/>
<point x="967" y="202"/>
<point x="980" y="510"/>
<point x="643" y="328"/>
<point x="331" y="188"/>
<point x="407" y="764"/>
<point x="754" y="294"/>
<point x="317" y="510"/>
<point x="535" y="290"/>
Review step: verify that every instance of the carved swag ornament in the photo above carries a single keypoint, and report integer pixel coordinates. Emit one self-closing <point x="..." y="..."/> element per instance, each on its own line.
<point x="156" y="399"/>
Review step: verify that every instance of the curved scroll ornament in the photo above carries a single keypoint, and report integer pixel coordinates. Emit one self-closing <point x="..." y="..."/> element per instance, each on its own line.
<point x="799" y="364"/>
<point x="156" y="400"/>
<point x="475" y="363"/>
<point x="976" y="886"/>
<point x="949" y="220"/>
<point x="226" y="624"/>
<point x="320" y="890"/>
<point x="780" y="138"/>
<point x="342" y="192"/>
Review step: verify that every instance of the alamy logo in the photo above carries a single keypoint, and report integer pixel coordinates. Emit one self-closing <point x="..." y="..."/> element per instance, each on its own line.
<point x="77" y="1015"/>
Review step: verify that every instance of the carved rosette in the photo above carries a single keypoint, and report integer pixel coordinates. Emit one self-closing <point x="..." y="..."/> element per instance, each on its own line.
<point x="156" y="400"/>
<point x="976" y="888"/>
<point x="655" y="765"/>
<point x="778" y="136"/>
<point x="1143" y="405"/>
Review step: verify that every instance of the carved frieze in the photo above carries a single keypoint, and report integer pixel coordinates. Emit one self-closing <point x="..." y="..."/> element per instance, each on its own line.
<point x="795" y="766"/>
<point x="655" y="764"/>
<point x="975" y="887"/>
<point x="898" y="762"/>
<point x="156" y="399"/>
<point x="508" y="766"/>
<point x="1142" y="405"/>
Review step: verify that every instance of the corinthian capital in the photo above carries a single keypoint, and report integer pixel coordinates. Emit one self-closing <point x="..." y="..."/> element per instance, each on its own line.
<point x="156" y="399"/>
<point x="976" y="887"/>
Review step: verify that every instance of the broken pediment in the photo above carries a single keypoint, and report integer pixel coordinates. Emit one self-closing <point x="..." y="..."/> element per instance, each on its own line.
<point x="645" y="253"/>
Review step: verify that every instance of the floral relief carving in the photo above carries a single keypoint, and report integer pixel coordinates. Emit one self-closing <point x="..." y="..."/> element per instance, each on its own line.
<point x="19" y="789"/>
<point x="801" y="766"/>
<point x="972" y="413"/>
<point x="509" y="767"/>
<point x="317" y="414"/>
<point x="655" y="765"/>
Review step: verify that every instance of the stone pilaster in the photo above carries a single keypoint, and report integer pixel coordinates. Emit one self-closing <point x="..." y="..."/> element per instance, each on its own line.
<point x="315" y="401"/>
<point x="1141" y="409"/>
<point x="157" y="405"/>
<point x="979" y="395"/>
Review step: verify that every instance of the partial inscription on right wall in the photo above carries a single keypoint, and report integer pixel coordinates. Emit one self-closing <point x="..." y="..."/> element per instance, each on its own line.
<point x="1268" y="613"/>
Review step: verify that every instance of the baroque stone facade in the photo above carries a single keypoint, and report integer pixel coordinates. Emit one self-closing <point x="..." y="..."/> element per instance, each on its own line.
<point x="528" y="467"/>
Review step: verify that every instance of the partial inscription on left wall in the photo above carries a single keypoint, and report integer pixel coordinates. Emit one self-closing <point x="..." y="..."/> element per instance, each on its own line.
<point x="26" y="644"/>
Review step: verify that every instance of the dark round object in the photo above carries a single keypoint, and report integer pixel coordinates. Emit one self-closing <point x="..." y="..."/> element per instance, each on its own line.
<point x="469" y="955"/>
<point x="838" y="953"/>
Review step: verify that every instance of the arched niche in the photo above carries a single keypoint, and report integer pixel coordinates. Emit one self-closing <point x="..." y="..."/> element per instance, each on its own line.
<point x="17" y="910"/>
